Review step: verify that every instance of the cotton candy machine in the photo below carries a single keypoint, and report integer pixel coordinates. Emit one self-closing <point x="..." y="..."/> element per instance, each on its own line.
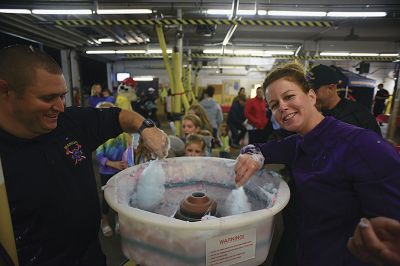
<point x="233" y="226"/>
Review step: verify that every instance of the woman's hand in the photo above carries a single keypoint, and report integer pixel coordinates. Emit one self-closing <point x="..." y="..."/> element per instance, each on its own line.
<point x="246" y="166"/>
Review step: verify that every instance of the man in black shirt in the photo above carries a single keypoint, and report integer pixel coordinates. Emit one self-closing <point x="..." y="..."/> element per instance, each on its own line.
<point x="379" y="100"/>
<point x="324" y="80"/>
<point x="45" y="152"/>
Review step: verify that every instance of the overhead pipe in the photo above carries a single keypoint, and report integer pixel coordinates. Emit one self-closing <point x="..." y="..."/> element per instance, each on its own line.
<point x="27" y="26"/>
<point x="232" y="28"/>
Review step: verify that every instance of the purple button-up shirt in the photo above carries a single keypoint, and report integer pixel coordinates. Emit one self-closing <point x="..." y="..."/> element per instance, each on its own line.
<point x="342" y="173"/>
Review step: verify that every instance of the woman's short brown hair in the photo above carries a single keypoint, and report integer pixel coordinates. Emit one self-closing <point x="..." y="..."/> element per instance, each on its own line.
<point x="293" y="72"/>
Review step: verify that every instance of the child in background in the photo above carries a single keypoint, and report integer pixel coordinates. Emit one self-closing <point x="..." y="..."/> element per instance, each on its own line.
<point x="108" y="97"/>
<point x="191" y="124"/>
<point x="224" y="137"/>
<point x="197" y="109"/>
<point x="140" y="153"/>
<point x="109" y="157"/>
<point x="195" y="145"/>
<point x="209" y="140"/>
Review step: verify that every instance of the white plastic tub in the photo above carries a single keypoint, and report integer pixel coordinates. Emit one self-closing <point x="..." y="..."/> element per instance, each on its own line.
<point x="151" y="238"/>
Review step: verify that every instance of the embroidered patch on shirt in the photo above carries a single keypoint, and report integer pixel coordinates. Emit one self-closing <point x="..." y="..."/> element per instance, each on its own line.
<point x="74" y="150"/>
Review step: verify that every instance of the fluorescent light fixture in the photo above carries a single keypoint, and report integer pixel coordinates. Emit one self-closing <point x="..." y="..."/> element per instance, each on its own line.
<point x="100" y="52"/>
<point x="121" y="76"/>
<point x="143" y="78"/>
<point x="217" y="51"/>
<point x="158" y="51"/>
<point x="243" y="12"/>
<point x="123" y="11"/>
<point x="364" y="54"/>
<point x="223" y="67"/>
<point x="297" y="51"/>
<point x="262" y="12"/>
<point x="356" y="14"/>
<point x="131" y="51"/>
<point x="280" y="52"/>
<point x="388" y="55"/>
<point x="246" y="12"/>
<point x="334" y="53"/>
<point x="219" y="12"/>
<point x="106" y="40"/>
<point x="296" y="13"/>
<point x="16" y="11"/>
<point x="248" y="52"/>
<point x="62" y="11"/>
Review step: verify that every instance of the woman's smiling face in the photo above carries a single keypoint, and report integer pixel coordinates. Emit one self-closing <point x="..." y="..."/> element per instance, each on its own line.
<point x="292" y="107"/>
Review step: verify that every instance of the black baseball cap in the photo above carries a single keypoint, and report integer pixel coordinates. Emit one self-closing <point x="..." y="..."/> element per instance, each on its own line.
<point x="322" y="75"/>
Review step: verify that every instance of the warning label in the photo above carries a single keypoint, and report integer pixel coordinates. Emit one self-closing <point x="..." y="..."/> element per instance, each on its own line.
<point x="231" y="249"/>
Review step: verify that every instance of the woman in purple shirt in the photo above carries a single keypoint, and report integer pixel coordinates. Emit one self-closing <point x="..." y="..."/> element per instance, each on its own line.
<point x="342" y="173"/>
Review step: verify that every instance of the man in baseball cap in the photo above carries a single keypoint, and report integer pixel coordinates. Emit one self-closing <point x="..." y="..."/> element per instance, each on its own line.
<point x="324" y="80"/>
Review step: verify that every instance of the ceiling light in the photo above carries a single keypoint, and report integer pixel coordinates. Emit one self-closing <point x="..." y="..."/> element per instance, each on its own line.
<point x="334" y="53"/>
<point x="217" y="51"/>
<point x="224" y="67"/>
<point x="100" y="52"/>
<point x="262" y="12"/>
<point x="123" y="11"/>
<point x="131" y="51"/>
<point x="105" y="40"/>
<point x="296" y="13"/>
<point x="356" y="14"/>
<point x="158" y="51"/>
<point x="62" y="11"/>
<point x="246" y="12"/>
<point x="364" y="54"/>
<point x="243" y="12"/>
<point x="280" y="52"/>
<point x="219" y="12"/>
<point x="16" y="11"/>
<point x="388" y="55"/>
<point x="143" y="78"/>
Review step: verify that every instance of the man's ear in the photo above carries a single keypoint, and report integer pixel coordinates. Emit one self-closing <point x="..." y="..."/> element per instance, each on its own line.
<point x="4" y="89"/>
<point x="332" y="87"/>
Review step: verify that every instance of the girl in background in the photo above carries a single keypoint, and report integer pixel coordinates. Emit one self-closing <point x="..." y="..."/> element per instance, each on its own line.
<point x="195" y="145"/>
<point x="224" y="137"/>
<point x="109" y="157"/>
<point x="198" y="110"/>
<point x="95" y="95"/>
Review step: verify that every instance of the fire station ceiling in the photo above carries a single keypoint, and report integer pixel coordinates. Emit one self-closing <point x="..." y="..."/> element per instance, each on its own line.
<point x="202" y="30"/>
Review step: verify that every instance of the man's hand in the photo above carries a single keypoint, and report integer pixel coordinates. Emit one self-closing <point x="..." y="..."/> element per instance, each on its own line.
<point x="156" y="141"/>
<point x="376" y="241"/>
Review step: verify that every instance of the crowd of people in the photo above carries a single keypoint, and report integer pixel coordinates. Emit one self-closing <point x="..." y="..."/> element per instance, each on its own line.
<point x="345" y="184"/>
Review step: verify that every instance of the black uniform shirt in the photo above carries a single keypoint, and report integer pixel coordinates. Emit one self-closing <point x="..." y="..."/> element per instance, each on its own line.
<point x="52" y="190"/>
<point x="355" y="114"/>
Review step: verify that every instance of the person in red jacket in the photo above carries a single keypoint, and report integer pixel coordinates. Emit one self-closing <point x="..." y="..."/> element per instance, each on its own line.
<point x="257" y="120"/>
